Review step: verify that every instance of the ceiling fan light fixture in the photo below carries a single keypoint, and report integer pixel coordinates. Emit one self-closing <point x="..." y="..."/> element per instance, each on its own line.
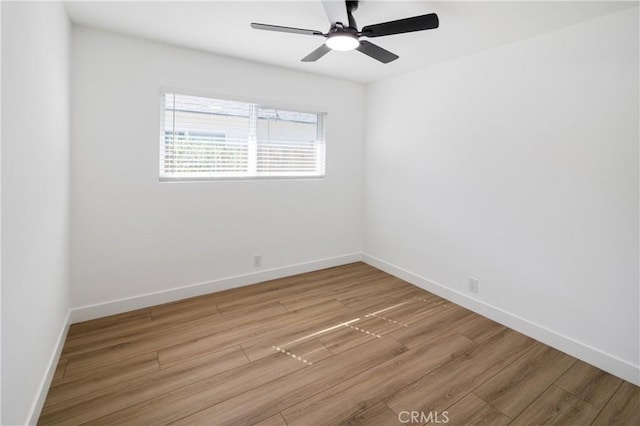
<point x="342" y="42"/>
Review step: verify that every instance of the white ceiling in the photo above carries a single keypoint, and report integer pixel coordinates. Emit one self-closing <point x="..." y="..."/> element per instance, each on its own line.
<point x="223" y="27"/>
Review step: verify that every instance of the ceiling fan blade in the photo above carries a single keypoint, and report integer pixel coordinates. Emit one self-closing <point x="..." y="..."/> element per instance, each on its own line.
<point x="376" y="52"/>
<point x="336" y="11"/>
<point x="407" y="25"/>
<point x="278" y="28"/>
<point x="317" y="54"/>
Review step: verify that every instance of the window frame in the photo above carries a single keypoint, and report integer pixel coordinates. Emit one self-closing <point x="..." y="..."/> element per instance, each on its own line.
<point x="260" y="103"/>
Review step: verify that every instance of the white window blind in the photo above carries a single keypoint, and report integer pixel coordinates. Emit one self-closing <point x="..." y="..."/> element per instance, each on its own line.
<point x="205" y="138"/>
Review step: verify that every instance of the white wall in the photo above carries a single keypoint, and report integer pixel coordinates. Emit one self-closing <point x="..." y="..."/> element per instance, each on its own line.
<point x="132" y="235"/>
<point x="518" y="166"/>
<point x="35" y="200"/>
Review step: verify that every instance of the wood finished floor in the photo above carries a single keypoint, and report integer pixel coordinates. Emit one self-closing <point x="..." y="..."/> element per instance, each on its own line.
<point x="347" y="345"/>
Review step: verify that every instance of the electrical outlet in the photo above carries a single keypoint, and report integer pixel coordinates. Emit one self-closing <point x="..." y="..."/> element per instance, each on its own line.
<point x="257" y="261"/>
<point x="473" y="285"/>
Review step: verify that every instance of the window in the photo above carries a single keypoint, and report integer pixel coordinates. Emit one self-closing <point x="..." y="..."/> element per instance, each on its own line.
<point x="204" y="138"/>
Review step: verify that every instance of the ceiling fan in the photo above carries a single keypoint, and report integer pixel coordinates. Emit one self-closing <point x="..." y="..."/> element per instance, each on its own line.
<point x="344" y="35"/>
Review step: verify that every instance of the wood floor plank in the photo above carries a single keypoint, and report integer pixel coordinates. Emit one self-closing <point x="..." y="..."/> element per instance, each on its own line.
<point x="589" y="383"/>
<point x="341" y="275"/>
<point x="365" y="307"/>
<point x="480" y="329"/>
<point x="446" y="385"/>
<point x="520" y="383"/>
<point x="623" y="408"/>
<point x="355" y="395"/>
<point x="172" y="336"/>
<point x="383" y="295"/>
<point x="117" y="332"/>
<point x="557" y="407"/>
<point x="241" y="315"/>
<point x="300" y="331"/>
<point x="209" y="399"/>
<point x="326" y="315"/>
<point x="125" y="319"/>
<point x="88" y="407"/>
<point x="472" y="410"/>
<point x="244" y="331"/>
<point x="254" y="289"/>
<point x="191" y="308"/>
<point x="60" y="368"/>
<point x="310" y="351"/>
<point x="86" y="361"/>
<point x="289" y="284"/>
<point x="198" y="347"/>
<point x="379" y="326"/>
<point x="345" y="338"/>
<point x="338" y="290"/>
<point x="344" y="277"/>
<point x="122" y="335"/>
<point x="276" y="420"/>
<point x="445" y="319"/>
<point x="372" y="291"/>
<point x="100" y="378"/>
<point x="166" y="318"/>
<point x="411" y="310"/>
<point x="298" y="286"/>
<point x="336" y="271"/>
<point x="378" y="415"/>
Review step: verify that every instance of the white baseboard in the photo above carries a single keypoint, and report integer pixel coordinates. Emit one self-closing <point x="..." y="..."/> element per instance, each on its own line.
<point x="113" y="307"/>
<point x="43" y="389"/>
<point x="591" y="355"/>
